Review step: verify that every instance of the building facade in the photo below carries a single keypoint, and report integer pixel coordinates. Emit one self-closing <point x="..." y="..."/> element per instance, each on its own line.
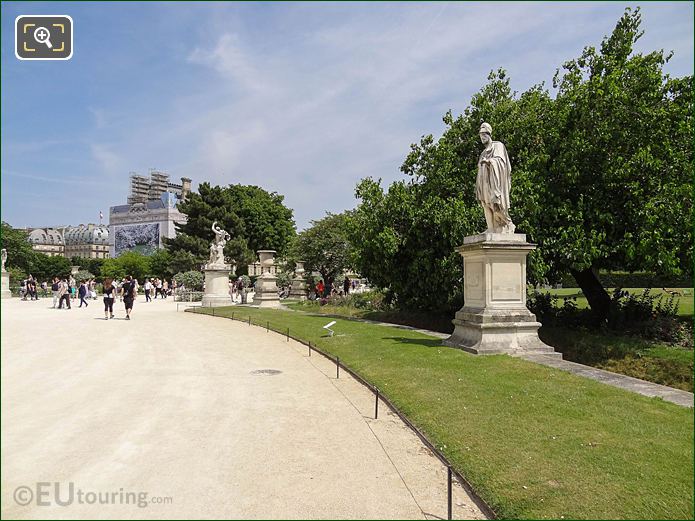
<point x="47" y="240"/>
<point x="90" y="241"/>
<point x="149" y="216"/>
<point x="85" y="240"/>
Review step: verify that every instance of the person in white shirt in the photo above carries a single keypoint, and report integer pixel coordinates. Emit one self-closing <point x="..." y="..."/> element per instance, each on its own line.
<point x="148" y="289"/>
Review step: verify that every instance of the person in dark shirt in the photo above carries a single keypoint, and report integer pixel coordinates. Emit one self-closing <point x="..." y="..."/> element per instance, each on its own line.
<point x="82" y="293"/>
<point x="128" y="291"/>
<point x="109" y="297"/>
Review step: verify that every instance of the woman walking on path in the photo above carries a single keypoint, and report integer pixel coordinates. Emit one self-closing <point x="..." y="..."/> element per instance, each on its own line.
<point x="82" y="294"/>
<point x="129" y="290"/>
<point x="109" y="297"/>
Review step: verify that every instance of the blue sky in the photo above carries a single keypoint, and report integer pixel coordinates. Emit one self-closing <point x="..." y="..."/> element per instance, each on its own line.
<point x="301" y="98"/>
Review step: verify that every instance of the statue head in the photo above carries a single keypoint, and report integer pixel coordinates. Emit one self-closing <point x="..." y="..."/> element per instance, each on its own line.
<point x="485" y="133"/>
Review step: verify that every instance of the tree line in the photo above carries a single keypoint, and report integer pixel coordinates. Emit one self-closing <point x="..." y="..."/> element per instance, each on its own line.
<point x="601" y="180"/>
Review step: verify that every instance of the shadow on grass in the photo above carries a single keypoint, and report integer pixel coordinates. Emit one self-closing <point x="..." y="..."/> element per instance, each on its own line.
<point x="416" y="341"/>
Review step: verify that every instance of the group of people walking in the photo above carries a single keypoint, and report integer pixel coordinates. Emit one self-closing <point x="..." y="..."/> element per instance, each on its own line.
<point x="159" y="287"/>
<point x="127" y="290"/>
<point x="64" y="290"/>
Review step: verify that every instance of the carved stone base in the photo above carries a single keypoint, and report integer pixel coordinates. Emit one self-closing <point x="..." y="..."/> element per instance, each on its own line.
<point x="298" y="290"/>
<point x="5" y="285"/>
<point x="494" y="319"/>
<point x="217" y="287"/>
<point x="266" y="295"/>
<point x="488" y="332"/>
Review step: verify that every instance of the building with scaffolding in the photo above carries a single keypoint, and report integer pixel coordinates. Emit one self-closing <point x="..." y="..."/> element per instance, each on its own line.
<point x="150" y="214"/>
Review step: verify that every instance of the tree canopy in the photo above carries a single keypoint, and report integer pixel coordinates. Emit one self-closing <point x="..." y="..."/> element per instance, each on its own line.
<point x="255" y="219"/>
<point x="601" y="179"/>
<point x="325" y="247"/>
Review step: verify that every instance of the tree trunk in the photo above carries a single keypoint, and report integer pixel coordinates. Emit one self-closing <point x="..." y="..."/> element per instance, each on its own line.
<point x="595" y="294"/>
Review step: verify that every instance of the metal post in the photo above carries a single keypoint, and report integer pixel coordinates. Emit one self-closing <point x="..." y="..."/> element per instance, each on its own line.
<point x="337" y="367"/>
<point x="309" y="348"/>
<point x="213" y="311"/>
<point x="288" y="334"/>
<point x="267" y="326"/>
<point x="232" y="315"/>
<point x="249" y="320"/>
<point x="449" y="498"/>
<point x="376" y="403"/>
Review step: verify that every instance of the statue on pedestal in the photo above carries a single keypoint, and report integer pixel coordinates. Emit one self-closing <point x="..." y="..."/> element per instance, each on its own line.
<point x="3" y="257"/>
<point x="494" y="182"/>
<point x="217" y="247"/>
<point x="494" y="318"/>
<point x="217" y="271"/>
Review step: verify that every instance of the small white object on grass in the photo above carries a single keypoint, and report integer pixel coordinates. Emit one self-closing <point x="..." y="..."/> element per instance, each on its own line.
<point x="328" y="327"/>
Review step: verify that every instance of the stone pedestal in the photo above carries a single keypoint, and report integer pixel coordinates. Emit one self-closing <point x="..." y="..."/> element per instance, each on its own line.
<point x="494" y="318"/>
<point x="266" y="295"/>
<point x="5" y="285"/>
<point x="217" y="286"/>
<point x="298" y="290"/>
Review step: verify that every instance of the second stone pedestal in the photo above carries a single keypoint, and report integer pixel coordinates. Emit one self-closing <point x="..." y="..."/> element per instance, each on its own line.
<point x="298" y="289"/>
<point x="217" y="287"/>
<point x="266" y="295"/>
<point x="494" y="318"/>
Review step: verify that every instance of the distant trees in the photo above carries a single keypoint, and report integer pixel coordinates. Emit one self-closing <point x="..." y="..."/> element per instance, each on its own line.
<point x="256" y="219"/>
<point x="325" y="246"/>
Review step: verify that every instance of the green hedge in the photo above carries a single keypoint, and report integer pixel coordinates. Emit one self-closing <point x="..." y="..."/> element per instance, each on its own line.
<point x="623" y="279"/>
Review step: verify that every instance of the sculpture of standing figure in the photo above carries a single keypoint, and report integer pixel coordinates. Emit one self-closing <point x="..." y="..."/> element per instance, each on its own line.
<point x="217" y="247"/>
<point x="3" y="257"/>
<point x="494" y="182"/>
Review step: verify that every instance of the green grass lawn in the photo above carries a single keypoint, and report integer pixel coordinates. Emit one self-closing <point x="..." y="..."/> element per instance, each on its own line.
<point x="626" y="354"/>
<point x="533" y="441"/>
<point x="685" y="300"/>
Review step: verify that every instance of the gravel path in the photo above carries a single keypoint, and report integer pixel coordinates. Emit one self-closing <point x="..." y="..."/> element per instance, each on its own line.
<point x="189" y="416"/>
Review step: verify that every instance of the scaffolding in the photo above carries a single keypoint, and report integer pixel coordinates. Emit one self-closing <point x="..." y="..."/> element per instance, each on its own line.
<point x="150" y="188"/>
<point x="139" y="188"/>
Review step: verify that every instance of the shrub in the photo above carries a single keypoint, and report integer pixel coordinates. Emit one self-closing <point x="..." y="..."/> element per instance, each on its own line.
<point x="192" y="280"/>
<point x="542" y="305"/>
<point x="83" y="275"/>
<point x="645" y="314"/>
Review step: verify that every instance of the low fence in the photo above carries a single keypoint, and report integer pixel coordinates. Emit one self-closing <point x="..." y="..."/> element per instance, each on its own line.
<point x="452" y="474"/>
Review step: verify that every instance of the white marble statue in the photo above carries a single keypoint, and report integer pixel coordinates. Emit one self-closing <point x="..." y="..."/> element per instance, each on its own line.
<point x="217" y="247"/>
<point x="494" y="182"/>
<point x="3" y="257"/>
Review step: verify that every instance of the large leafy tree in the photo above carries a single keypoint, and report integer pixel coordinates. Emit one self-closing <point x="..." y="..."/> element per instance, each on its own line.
<point x="255" y="219"/>
<point x="325" y="247"/>
<point x="601" y="178"/>
<point x="129" y="263"/>
<point x="19" y="252"/>
<point x="618" y="193"/>
<point x="45" y="267"/>
<point x="406" y="236"/>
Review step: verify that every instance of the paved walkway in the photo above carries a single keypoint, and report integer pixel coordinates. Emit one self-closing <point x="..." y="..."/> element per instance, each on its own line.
<point x="628" y="383"/>
<point x="169" y="408"/>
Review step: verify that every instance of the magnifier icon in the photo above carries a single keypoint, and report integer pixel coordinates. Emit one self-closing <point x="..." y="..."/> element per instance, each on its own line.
<point x="43" y="35"/>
